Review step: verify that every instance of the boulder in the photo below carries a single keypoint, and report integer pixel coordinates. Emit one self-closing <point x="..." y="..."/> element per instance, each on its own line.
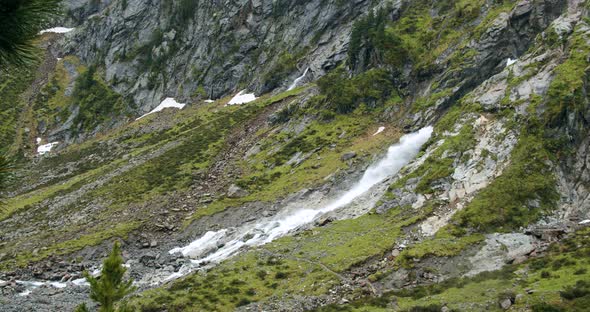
<point x="348" y="156"/>
<point x="235" y="191"/>
<point x="506" y="304"/>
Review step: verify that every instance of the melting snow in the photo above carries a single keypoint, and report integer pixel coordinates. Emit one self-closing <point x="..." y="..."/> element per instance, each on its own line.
<point x="242" y="98"/>
<point x="45" y="148"/>
<point x="584" y="222"/>
<point x="209" y="101"/>
<point x="168" y="102"/>
<point x="57" y="30"/>
<point x="381" y="129"/>
<point x="510" y="62"/>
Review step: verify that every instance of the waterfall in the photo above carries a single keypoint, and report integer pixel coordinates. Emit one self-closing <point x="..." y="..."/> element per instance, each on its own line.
<point x="297" y="80"/>
<point x="267" y="230"/>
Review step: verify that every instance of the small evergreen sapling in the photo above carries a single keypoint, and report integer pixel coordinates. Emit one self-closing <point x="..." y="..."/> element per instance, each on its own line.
<point x="110" y="287"/>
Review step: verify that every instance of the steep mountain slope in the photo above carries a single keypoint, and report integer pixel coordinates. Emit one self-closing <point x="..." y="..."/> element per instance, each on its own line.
<point x="466" y="224"/>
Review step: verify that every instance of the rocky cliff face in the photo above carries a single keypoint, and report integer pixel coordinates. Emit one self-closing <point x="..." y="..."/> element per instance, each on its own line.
<point x="495" y="200"/>
<point x="210" y="49"/>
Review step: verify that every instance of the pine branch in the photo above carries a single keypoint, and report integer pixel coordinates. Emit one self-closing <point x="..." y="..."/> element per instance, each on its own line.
<point x="20" y="23"/>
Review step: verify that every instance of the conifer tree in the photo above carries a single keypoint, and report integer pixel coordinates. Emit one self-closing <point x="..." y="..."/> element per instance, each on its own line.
<point x="20" y="23"/>
<point x="81" y="308"/>
<point x="110" y="287"/>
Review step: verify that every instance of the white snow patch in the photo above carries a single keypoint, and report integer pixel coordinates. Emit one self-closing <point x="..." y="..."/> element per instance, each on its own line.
<point x="584" y="222"/>
<point x="510" y="62"/>
<point x="167" y="103"/>
<point x="39" y="141"/>
<point x="45" y="148"/>
<point x="209" y="101"/>
<point x="381" y="129"/>
<point x="242" y="98"/>
<point x="57" y="30"/>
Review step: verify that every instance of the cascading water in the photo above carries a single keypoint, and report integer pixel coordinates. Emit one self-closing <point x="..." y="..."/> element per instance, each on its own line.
<point x="298" y="80"/>
<point x="204" y="250"/>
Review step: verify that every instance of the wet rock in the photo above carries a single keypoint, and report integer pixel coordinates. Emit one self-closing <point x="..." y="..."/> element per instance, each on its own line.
<point x="148" y="259"/>
<point x="348" y="156"/>
<point x="297" y="159"/>
<point x="324" y="221"/>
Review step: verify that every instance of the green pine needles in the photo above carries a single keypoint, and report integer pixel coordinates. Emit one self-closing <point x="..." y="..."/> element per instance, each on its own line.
<point x="20" y="23"/>
<point x="110" y="287"/>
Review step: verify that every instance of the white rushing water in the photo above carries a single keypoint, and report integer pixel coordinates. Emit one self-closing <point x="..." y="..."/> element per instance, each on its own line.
<point x="30" y="285"/>
<point x="204" y="250"/>
<point x="510" y="62"/>
<point x="296" y="82"/>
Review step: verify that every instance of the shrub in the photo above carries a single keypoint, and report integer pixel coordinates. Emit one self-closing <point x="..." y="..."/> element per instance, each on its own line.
<point x="579" y="290"/>
<point x="285" y="64"/>
<point x="243" y="302"/>
<point x="545" y="307"/>
<point x="504" y="204"/>
<point x="429" y="308"/>
<point x="6" y="170"/>
<point x="372" y="44"/>
<point x="281" y="275"/>
<point x="81" y="308"/>
<point x="97" y="103"/>
<point x="343" y="94"/>
<point x="561" y="262"/>
<point x="261" y="274"/>
<point x="581" y="271"/>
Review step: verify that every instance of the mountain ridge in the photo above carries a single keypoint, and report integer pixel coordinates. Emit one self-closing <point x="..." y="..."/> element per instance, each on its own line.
<point x="496" y="197"/>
